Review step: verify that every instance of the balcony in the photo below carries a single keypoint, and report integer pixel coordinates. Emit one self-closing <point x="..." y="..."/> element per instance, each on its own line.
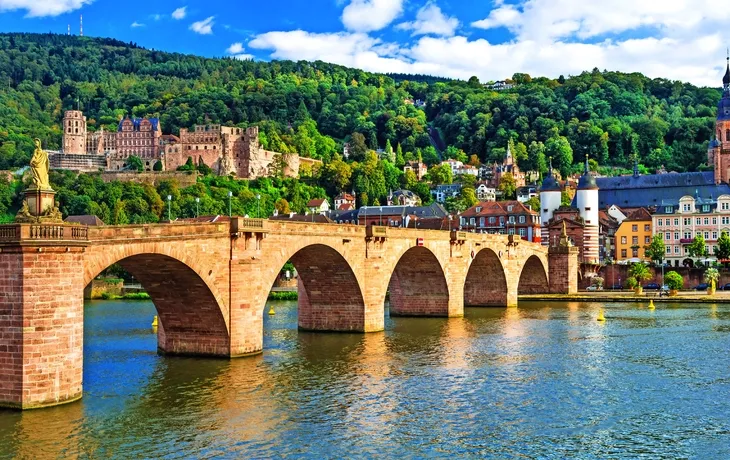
<point x="686" y="240"/>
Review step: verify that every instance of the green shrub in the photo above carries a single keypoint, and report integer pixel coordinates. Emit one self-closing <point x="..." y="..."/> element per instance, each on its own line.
<point x="674" y="281"/>
<point x="283" y="295"/>
<point x="631" y="283"/>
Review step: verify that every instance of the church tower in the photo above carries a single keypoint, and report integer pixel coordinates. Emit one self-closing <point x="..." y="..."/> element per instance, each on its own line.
<point x="718" y="153"/>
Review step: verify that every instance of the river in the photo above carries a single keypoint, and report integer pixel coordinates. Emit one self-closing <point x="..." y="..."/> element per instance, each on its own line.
<point x="544" y="380"/>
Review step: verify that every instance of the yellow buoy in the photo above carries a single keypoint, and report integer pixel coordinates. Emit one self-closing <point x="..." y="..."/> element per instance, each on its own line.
<point x="154" y="321"/>
<point x="271" y="310"/>
<point x="651" y="304"/>
<point x="600" y="315"/>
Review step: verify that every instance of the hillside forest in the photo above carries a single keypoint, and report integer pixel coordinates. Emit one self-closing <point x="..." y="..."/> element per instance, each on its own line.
<point x="314" y="108"/>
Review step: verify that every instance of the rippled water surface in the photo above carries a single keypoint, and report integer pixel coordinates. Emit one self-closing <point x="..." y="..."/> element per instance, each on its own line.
<point x="543" y="380"/>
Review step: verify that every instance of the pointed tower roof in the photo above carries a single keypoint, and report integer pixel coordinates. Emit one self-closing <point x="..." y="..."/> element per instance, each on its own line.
<point x="726" y="78"/>
<point x="549" y="184"/>
<point x="587" y="181"/>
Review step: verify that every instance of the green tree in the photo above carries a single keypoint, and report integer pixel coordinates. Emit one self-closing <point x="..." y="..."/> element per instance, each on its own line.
<point x="656" y="250"/>
<point x="507" y="186"/>
<point x="559" y="149"/>
<point x="135" y="163"/>
<point x="533" y="203"/>
<point x="639" y="272"/>
<point x="722" y="250"/>
<point x="697" y="248"/>
<point x="358" y="147"/>
<point x="712" y="276"/>
<point x="441" y="174"/>
<point x="158" y="166"/>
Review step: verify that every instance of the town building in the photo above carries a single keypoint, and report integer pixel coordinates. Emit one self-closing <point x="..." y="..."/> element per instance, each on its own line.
<point x="419" y="168"/>
<point x="693" y="215"/>
<point x="455" y="165"/>
<point x="526" y="193"/>
<point x="402" y="216"/>
<point x="318" y="206"/>
<point x="403" y="198"/>
<point x="485" y="193"/>
<point x="344" y="202"/>
<point x="632" y="237"/>
<point x="139" y="137"/>
<point x="502" y="217"/>
<point x="442" y="192"/>
<point x="493" y="177"/>
<point x="607" y="227"/>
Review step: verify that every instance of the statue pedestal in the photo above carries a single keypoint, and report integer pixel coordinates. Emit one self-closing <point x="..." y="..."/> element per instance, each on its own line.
<point x="40" y="201"/>
<point x="39" y="206"/>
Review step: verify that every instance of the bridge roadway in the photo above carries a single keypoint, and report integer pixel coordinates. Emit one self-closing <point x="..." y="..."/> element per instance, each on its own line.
<point x="210" y="282"/>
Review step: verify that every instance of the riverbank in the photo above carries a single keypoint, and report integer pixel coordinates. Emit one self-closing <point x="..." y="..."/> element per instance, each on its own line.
<point x="627" y="296"/>
<point x="128" y="296"/>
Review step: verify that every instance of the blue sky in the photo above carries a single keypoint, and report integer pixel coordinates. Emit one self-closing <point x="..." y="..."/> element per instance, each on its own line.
<point x="492" y="39"/>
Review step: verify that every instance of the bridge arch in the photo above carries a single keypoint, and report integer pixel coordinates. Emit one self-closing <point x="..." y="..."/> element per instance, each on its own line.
<point x="193" y="318"/>
<point x="329" y="293"/>
<point x="486" y="282"/>
<point x="418" y="285"/>
<point x="533" y="277"/>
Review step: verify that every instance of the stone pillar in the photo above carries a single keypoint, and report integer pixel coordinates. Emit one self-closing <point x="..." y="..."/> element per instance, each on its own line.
<point x="563" y="269"/>
<point x="41" y="314"/>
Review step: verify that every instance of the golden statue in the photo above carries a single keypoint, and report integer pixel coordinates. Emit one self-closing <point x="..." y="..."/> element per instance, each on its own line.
<point x="39" y="168"/>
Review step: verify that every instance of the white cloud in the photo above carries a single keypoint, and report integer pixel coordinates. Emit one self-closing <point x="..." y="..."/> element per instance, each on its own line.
<point x="204" y="27"/>
<point x="236" y="48"/>
<point x="136" y="24"/>
<point x="460" y="57"/>
<point x="431" y="20"/>
<point x="156" y="17"/>
<point x="236" y="51"/>
<point x="39" y="8"/>
<point x="370" y="15"/>
<point x="550" y="19"/>
<point x="180" y="13"/>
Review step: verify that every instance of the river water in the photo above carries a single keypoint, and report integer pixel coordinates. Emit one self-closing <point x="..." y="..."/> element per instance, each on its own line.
<point x="544" y="380"/>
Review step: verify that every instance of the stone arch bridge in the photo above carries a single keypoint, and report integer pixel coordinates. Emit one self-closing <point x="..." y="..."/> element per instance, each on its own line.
<point x="210" y="282"/>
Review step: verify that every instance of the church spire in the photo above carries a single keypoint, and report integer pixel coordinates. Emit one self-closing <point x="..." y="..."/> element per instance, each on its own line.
<point x="726" y="78"/>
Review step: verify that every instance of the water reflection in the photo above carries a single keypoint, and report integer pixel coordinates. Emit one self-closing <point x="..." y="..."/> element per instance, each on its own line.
<point x="541" y="380"/>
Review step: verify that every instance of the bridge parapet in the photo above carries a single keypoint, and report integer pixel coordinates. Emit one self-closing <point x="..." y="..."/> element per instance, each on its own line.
<point x="35" y="234"/>
<point x="175" y="231"/>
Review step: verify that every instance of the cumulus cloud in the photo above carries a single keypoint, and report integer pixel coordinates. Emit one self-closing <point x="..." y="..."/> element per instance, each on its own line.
<point x="204" y="27"/>
<point x="180" y="13"/>
<point x="431" y="20"/>
<point x="461" y="57"/>
<point x="546" y="19"/>
<point x="39" y="8"/>
<point x="236" y="50"/>
<point x="370" y="15"/>
<point x="136" y="24"/>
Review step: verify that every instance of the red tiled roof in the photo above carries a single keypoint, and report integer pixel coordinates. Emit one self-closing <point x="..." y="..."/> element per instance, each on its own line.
<point x="346" y="207"/>
<point x="315" y="203"/>
<point x="497" y="208"/>
<point x="640" y="214"/>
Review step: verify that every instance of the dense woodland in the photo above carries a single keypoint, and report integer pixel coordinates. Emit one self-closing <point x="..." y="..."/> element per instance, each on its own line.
<point x="313" y="108"/>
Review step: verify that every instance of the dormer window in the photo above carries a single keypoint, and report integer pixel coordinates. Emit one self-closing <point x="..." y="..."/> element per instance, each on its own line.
<point x="705" y="208"/>
<point x="479" y="209"/>
<point x="668" y="209"/>
<point x="509" y="208"/>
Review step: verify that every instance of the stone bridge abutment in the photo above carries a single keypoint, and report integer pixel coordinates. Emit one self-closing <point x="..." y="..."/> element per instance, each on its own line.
<point x="210" y="282"/>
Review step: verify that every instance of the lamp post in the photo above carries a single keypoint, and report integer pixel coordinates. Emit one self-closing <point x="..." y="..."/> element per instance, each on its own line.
<point x="380" y="216"/>
<point x="169" y="203"/>
<point x="258" y="205"/>
<point x="197" y="206"/>
<point x="230" y="197"/>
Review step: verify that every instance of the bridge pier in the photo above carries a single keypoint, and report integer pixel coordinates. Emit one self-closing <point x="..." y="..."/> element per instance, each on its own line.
<point x="41" y="316"/>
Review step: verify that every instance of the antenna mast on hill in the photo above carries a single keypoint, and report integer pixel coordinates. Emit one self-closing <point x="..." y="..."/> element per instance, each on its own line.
<point x="68" y="32"/>
<point x="81" y="25"/>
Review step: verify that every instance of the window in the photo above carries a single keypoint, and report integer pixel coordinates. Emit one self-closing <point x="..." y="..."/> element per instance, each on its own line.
<point x="667" y="236"/>
<point x="463" y="221"/>
<point x="509" y="208"/>
<point x="522" y="232"/>
<point x="687" y="221"/>
<point x="479" y="209"/>
<point x="659" y="223"/>
<point x="634" y="240"/>
<point x="647" y="227"/>
<point x="676" y="222"/>
<point x="669" y="249"/>
<point x="634" y="253"/>
<point x="698" y="221"/>
<point x="511" y="219"/>
<point x="698" y="233"/>
<point x="676" y="236"/>
<point x="707" y="221"/>
<point x="511" y="231"/>
<point x="623" y="253"/>
<point x="492" y="220"/>
<point x="634" y="228"/>
<point x="676" y="249"/>
<point x="725" y="221"/>
<point x="472" y="221"/>
<point x="522" y="219"/>
<point x="725" y="206"/>
<point x="685" y="207"/>
<point x="714" y="235"/>
<point x="647" y="239"/>
<point x="481" y="221"/>
<point x="705" y="208"/>
<point x="666" y="222"/>
<point x="501" y="220"/>
<point x="668" y="209"/>
<point x="623" y="240"/>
